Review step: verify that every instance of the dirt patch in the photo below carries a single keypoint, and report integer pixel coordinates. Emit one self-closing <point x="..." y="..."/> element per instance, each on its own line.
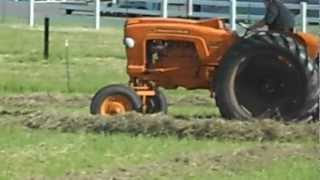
<point x="162" y="125"/>
<point x="234" y="161"/>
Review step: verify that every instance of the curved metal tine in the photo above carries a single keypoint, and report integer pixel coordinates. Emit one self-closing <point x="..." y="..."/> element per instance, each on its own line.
<point x="318" y="118"/>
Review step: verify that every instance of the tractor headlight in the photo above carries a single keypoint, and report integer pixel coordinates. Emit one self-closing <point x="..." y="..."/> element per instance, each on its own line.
<point x="129" y="42"/>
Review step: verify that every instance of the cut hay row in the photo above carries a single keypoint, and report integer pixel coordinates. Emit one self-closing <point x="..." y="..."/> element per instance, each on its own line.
<point x="25" y="109"/>
<point x="162" y="125"/>
<point x="43" y="99"/>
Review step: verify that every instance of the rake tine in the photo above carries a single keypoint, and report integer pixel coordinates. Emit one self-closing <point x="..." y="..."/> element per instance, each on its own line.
<point x="318" y="118"/>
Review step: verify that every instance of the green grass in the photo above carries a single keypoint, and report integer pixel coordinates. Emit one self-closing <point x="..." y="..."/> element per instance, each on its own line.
<point x="96" y="59"/>
<point x="291" y="169"/>
<point x="292" y="166"/>
<point x="34" y="153"/>
<point x="48" y="154"/>
<point x="296" y="168"/>
<point x="85" y="77"/>
<point x="24" y="44"/>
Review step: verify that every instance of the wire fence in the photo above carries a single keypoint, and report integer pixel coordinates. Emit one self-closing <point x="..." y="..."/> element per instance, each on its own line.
<point x="14" y="12"/>
<point x="86" y="13"/>
<point x="18" y="12"/>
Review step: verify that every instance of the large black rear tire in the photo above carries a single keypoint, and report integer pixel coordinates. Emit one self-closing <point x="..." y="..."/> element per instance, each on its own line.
<point x="268" y="75"/>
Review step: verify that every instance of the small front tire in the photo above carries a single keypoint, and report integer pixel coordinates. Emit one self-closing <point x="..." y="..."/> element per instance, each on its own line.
<point x="115" y="99"/>
<point x="157" y="103"/>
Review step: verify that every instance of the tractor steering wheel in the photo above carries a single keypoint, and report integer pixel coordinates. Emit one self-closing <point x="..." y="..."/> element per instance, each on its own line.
<point x="246" y="27"/>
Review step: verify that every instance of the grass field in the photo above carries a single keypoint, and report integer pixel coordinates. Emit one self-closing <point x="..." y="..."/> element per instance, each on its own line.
<point x="34" y="89"/>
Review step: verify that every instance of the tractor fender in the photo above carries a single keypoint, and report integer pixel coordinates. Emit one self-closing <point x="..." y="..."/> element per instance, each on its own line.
<point x="312" y="43"/>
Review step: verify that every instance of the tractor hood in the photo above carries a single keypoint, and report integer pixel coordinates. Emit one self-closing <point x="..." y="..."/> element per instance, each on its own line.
<point x="214" y="23"/>
<point x="159" y="20"/>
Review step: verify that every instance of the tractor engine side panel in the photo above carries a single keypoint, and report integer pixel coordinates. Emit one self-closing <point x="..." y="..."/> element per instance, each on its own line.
<point x="187" y="53"/>
<point x="172" y="63"/>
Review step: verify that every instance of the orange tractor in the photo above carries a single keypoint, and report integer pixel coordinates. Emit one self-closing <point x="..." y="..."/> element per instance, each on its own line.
<point x="257" y="75"/>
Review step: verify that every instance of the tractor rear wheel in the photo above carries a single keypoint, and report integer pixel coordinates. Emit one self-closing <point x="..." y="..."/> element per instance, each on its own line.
<point x="115" y="99"/>
<point x="157" y="103"/>
<point x="268" y="75"/>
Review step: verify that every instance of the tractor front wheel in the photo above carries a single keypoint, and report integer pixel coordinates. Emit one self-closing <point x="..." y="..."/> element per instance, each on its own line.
<point x="157" y="103"/>
<point x="115" y="99"/>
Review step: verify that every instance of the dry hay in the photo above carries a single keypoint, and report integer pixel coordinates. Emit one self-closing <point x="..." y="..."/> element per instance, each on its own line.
<point x="44" y="99"/>
<point x="193" y="100"/>
<point x="25" y="108"/>
<point x="162" y="125"/>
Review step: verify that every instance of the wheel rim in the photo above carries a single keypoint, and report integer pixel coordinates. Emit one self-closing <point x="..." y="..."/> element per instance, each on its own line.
<point x="268" y="87"/>
<point x="115" y="105"/>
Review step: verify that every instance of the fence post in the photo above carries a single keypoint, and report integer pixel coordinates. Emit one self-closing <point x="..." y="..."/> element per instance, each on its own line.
<point x="97" y="14"/>
<point x="304" y="22"/>
<point x="190" y="8"/>
<point x="46" y="38"/>
<point x="164" y="8"/>
<point x="233" y="14"/>
<point x="31" y="13"/>
<point x="3" y="10"/>
<point x="67" y="65"/>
